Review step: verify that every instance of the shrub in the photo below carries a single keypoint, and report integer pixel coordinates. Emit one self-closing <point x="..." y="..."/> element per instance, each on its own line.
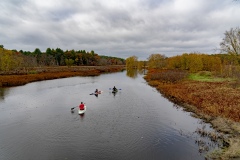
<point x="169" y="76"/>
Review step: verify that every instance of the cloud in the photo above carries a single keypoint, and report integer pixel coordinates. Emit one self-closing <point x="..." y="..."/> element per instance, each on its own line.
<point x="118" y="28"/>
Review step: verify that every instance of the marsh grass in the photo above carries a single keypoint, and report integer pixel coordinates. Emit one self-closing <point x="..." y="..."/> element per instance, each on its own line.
<point x="47" y="73"/>
<point x="168" y="76"/>
<point x="32" y="72"/>
<point x="216" y="100"/>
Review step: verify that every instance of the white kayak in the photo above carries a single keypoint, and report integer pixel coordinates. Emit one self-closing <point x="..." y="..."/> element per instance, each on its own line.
<point x="82" y="111"/>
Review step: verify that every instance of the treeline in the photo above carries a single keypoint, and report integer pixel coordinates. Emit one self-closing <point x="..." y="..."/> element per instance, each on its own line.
<point x="225" y="65"/>
<point x="15" y="60"/>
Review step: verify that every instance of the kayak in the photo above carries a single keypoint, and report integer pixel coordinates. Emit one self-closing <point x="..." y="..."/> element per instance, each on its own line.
<point x="82" y="111"/>
<point x="96" y="93"/>
<point x="114" y="91"/>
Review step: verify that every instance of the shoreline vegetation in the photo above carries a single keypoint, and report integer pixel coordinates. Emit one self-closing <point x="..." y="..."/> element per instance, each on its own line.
<point x="212" y="99"/>
<point x="33" y="74"/>
<point x="21" y="67"/>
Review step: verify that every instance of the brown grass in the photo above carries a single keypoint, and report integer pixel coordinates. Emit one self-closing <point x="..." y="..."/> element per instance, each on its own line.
<point x="215" y="102"/>
<point x="47" y="73"/>
<point x="211" y="98"/>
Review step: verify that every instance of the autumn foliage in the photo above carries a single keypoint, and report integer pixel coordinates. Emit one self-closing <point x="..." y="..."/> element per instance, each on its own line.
<point x="13" y="62"/>
<point x="208" y="98"/>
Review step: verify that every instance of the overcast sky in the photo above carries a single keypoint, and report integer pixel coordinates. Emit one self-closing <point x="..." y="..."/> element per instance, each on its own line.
<point x="120" y="28"/>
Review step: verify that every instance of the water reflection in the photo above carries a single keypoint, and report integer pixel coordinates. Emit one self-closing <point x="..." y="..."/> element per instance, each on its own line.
<point x="142" y="71"/>
<point x="114" y="93"/>
<point x="81" y="116"/>
<point x="133" y="73"/>
<point x="1" y="93"/>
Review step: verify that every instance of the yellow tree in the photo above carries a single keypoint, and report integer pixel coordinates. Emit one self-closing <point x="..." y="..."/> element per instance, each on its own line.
<point x="195" y="62"/>
<point x="6" y="60"/>
<point x="69" y="62"/>
<point x="174" y="62"/>
<point x="132" y="62"/>
<point x="1" y="55"/>
<point x="211" y="63"/>
<point x="142" y="64"/>
<point x="157" y="61"/>
<point x="9" y="60"/>
<point x="185" y="61"/>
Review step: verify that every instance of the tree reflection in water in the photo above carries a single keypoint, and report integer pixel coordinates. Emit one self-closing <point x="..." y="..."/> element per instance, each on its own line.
<point x="133" y="73"/>
<point x="2" y="91"/>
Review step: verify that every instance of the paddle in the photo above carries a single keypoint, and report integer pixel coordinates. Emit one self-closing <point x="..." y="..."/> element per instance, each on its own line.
<point x="73" y="108"/>
<point x="117" y="89"/>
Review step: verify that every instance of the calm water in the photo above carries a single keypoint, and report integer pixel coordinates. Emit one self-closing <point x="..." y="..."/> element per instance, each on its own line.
<point x="36" y="122"/>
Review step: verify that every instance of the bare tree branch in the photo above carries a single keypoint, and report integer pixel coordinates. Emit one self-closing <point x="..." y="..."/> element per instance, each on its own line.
<point x="231" y="42"/>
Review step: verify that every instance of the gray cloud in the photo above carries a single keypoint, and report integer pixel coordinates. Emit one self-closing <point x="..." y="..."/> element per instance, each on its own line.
<point x="118" y="28"/>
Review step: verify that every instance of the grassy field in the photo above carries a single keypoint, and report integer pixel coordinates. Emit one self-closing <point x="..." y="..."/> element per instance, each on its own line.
<point x="206" y="76"/>
<point x="216" y="100"/>
<point x="46" y="73"/>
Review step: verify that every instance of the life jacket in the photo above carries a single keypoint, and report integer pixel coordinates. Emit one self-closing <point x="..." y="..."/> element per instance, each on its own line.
<point x="81" y="106"/>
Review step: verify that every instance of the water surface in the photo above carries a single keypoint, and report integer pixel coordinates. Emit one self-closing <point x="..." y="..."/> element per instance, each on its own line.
<point x="36" y="121"/>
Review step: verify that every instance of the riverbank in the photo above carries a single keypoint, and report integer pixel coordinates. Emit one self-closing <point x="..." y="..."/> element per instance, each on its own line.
<point x="46" y="73"/>
<point x="217" y="103"/>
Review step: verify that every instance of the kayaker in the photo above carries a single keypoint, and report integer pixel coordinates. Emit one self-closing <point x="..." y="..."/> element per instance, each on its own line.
<point x="81" y="106"/>
<point x="96" y="92"/>
<point x="114" y="88"/>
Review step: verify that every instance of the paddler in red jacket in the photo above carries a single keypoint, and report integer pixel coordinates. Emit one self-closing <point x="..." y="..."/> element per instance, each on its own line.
<point x="81" y="106"/>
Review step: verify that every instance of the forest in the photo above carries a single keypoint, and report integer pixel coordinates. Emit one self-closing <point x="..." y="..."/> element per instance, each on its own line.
<point x="12" y="61"/>
<point x="223" y="65"/>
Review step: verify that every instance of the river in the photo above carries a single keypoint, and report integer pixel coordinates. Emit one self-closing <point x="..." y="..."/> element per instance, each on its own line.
<point x="36" y="122"/>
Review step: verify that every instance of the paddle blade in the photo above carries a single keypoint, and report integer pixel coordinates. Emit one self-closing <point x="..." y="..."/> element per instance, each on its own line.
<point x="73" y="108"/>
